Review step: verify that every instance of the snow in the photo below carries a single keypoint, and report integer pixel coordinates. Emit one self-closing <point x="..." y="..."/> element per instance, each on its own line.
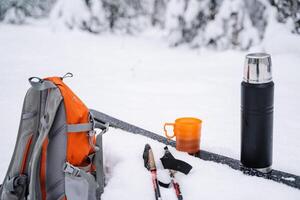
<point x="128" y="179"/>
<point x="143" y="81"/>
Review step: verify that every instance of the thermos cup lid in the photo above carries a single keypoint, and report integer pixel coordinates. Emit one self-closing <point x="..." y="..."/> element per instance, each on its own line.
<point x="258" y="68"/>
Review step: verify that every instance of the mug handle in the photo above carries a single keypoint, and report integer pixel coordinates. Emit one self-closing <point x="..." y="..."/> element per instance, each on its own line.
<point x="166" y="131"/>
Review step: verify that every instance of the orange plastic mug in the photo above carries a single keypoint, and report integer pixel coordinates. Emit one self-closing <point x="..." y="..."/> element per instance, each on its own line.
<point x="187" y="131"/>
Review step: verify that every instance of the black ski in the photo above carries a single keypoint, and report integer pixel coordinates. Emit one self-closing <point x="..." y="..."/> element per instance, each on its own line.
<point x="291" y="180"/>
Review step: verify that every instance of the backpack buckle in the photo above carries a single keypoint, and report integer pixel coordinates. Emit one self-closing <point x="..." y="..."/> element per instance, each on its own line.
<point x="72" y="170"/>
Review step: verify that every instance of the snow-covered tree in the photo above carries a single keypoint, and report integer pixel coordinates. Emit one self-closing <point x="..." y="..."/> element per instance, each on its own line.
<point x="232" y="27"/>
<point x="174" y="21"/>
<point x="288" y="12"/>
<point x="16" y="11"/>
<point x="127" y="16"/>
<point x="198" y="16"/>
<point x="98" y="15"/>
<point x="158" y="13"/>
<point x="218" y="24"/>
<point x="85" y="15"/>
<point x="258" y="13"/>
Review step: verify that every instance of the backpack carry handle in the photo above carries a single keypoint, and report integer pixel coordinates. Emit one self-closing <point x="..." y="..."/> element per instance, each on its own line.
<point x="40" y="84"/>
<point x="35" y="79"/>
<point x="67" y="75"/>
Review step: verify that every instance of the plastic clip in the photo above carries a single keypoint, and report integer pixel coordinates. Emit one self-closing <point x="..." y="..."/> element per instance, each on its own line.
<point x="70" y="169"/>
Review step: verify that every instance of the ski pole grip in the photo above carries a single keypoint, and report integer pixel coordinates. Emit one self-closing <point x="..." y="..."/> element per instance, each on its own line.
<point x="166" y="131"/>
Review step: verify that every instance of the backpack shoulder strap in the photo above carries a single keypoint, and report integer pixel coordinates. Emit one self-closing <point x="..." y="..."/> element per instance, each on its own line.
<point x="54" y="99"/>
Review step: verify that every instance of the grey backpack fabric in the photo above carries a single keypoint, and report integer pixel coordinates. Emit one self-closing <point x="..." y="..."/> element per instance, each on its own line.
<point x="44" y="119"/>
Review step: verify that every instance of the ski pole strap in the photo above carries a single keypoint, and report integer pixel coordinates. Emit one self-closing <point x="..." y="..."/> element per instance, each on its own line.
<point x="165" y="185"/>
<point x="175" y="164"/>
<point x="170" y="162"/>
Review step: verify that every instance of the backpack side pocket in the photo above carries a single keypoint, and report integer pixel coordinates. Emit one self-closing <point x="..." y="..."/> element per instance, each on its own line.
<point x="79" y="185"/>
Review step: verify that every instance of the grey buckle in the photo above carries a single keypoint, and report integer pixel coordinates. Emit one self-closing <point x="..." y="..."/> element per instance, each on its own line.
<point x="70" y="169"/>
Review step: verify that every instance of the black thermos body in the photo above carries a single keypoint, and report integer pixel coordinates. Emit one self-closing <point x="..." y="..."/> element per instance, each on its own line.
<point x="257" y="98"/>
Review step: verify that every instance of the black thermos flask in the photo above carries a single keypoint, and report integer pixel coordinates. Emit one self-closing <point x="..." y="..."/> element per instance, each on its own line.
<point x="257" y="98"/>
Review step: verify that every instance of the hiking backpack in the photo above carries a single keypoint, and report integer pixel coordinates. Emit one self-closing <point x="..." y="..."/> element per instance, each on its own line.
<point x="57" y="155"/>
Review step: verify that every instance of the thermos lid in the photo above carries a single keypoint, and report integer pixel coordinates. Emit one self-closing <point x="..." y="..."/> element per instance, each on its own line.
<point x="258" y="68"/>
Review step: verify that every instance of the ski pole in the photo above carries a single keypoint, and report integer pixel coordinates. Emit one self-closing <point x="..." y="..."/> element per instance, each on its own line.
<point x="174" y="165"/>
<point x="175" y="185"/>
<point x="149" y="163"/>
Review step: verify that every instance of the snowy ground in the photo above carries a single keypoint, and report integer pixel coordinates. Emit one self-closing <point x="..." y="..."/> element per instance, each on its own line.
<point x="142" y="81"/>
